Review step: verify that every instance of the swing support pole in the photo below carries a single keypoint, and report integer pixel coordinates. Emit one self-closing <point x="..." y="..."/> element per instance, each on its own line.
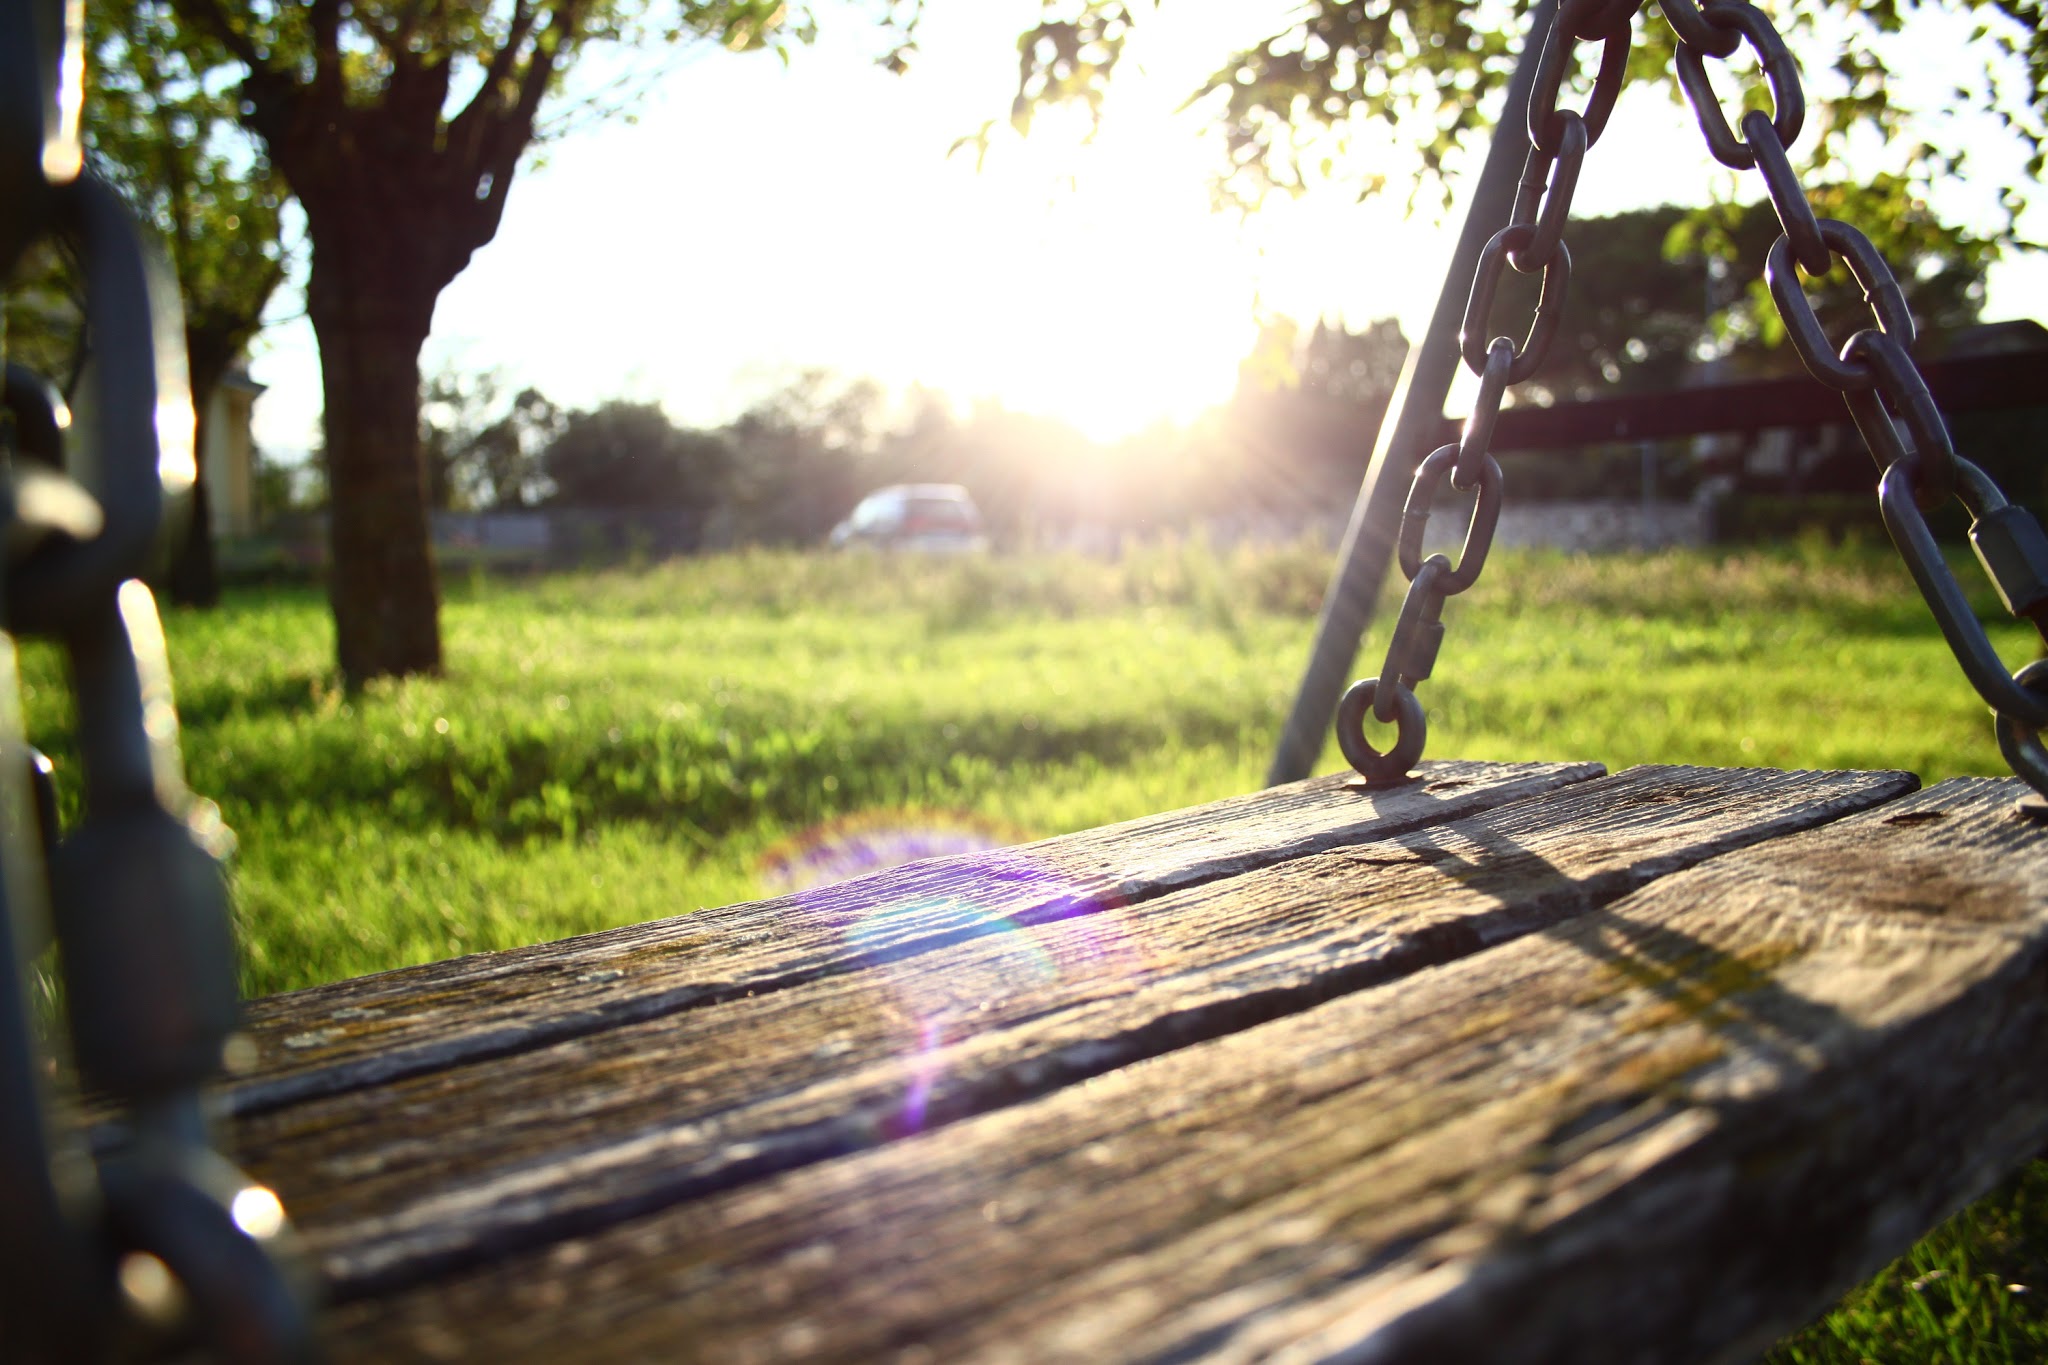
<point x="1418" y="405"/>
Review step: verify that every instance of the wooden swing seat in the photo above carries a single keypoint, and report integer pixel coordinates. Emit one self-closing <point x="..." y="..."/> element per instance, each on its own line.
<point x="1515" y="1062"/>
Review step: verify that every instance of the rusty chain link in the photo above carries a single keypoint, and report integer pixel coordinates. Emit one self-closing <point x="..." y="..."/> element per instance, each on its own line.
<point x="1874" y="371"/>
<point x="1693" y="29"/>
<point x="1546" y="120"/>
<point x="146" y="1239"/>
<point x="1882" y="387"/>
<point x="1544" y="196"/>
<point x="1803" y="236"/>
<point x="1531" y="243"/>
<point x="1781" y="74"/>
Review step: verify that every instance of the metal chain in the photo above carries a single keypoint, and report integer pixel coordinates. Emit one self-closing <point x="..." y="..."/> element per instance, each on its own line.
<point x="150" y="1239"/>
<point x="1874" y="371"/>
<point x="1883" y="388"/>
<point x="1532" y="242"/>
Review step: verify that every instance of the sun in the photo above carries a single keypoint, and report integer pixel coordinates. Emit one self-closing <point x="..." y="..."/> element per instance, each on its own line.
<point x="1103" y="290"/>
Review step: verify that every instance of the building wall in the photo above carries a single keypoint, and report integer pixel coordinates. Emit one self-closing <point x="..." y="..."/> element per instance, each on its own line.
<point x="228" y="463"/>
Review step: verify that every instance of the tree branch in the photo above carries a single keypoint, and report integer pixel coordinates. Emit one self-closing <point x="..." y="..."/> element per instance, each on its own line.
<point x="325" y="19"/>
<point x="210" y="18"/>
<point x="499" y="68"/>
<point x="490" y="135"/>
<point x="540" y="69"/>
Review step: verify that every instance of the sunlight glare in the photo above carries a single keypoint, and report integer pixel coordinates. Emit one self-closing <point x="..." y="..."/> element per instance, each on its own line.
<point x="1080" y="274"/>
<point x="1119" y="299"/>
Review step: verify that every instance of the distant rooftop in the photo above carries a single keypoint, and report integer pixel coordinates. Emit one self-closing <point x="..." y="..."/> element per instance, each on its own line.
<point x="1998" y="338"/>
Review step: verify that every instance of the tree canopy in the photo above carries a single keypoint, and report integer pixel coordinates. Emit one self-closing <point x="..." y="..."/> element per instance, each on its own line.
<point x="1292" y="106"/>
<point x="165" y="136"/>
<point x="163" y="132"/>
<point x="159" y="128"/>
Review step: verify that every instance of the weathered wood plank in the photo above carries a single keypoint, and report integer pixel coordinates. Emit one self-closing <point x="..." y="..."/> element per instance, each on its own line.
<point x="1669" y="1129"/>
<point x="613" y="1124"/>
<point x="355" y="1033"/>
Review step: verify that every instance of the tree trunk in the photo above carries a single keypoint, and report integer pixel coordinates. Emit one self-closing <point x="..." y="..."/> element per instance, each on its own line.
<point x="398" y="193"/>
<point x="383" y="588"/>
<point x="193" y="576"/>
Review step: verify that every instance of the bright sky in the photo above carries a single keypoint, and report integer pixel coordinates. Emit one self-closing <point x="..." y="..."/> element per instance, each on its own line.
<point x="757" y="220"/>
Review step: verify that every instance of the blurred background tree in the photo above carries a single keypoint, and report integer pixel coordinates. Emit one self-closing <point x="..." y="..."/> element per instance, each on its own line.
<point x="399" y="126"/>
<point x="629" y="455"/>
<point x="162" y="131"/>
<point x="1664" y="299"/>
<point x="482" y="450"/>
<point x="803" y="456"/>
<point x="159" y="129"/>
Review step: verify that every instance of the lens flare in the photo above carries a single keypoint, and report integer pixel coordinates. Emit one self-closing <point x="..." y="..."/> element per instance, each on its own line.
<point x="951" y="958"/>
<point x="257" y="1212"/>
<point x="855" y="845"/>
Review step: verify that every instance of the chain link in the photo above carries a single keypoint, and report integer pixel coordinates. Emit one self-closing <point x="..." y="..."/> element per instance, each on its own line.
<point x="1493" y="260"/>
<point x="1531" y="242"/>
<point x="1902" y="389"/>
<point x="1580" y="21"/>
<point x="1882" y="387"/>
<point x="1795" y="216"/>
<point x="1412" y="731"/>
<point x="1886" y="395"/>
<point x="1695" y="32"/>
<point x="2020" y="742"/>
<point x="1598" y="20"/>
<point x="1479" y="532"/>
<point x="38" y="118"/>
<point x="1476" y="440"/>
<point x="1543" y="206"/>
<point x="1781" y="74"/>
<point x="1802" y="324"/>
<point x="132" y="894"/>
<point x="1959" y="625"/>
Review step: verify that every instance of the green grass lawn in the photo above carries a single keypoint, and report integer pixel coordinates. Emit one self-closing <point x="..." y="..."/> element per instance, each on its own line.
<point x="613" y="747"/>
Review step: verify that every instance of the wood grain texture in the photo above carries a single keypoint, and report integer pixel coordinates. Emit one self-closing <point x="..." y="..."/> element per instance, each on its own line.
<point x="356" y="1033"/>
<point x="1667" y="1129"/>
<point x="404" y="1181"/>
